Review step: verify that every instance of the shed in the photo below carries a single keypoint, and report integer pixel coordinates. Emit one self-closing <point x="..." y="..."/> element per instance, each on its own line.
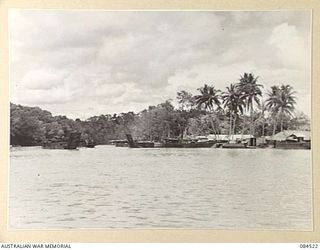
<point x="292" y="134"/>
<point x="218" y="137"/>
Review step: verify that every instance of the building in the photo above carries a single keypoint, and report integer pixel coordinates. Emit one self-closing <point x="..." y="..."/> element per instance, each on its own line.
<point x="236" y="137"/>
<point x="292" y="135"/>
<point x="292" y="139"/>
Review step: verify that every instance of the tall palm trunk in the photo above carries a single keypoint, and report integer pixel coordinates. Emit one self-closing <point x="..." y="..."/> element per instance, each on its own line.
<point x="230" y="130"/>
<point x="213" y="125"/>
<point x="281" y="119"/>
<point x="252" y="125"/>
<point x="251" y="122"/>
<point x="245" y="117"/>
<point x="217" y="124"/>
<point x="262" y="119"/>
<point x="244" y="123"/>
<point x="213" y="122"/>
<point x="274" y="126"/>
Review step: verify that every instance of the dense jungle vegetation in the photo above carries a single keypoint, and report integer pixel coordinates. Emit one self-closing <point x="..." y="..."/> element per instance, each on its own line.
<point x="243" y="107"/>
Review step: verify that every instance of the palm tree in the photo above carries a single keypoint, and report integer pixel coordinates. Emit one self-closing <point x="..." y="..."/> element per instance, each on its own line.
<point x="209" y="98"/>
<point x="251" y="90"/>
<point x="235" y="103"/>
<point x="262" y="119"/>
<point x="272" y="105"/>
<point x="281" y="103"/>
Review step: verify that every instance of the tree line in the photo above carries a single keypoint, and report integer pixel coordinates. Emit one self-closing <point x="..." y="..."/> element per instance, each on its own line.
<point x="240" y="108"/>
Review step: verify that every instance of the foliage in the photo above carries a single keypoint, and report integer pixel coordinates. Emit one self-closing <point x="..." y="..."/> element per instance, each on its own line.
<point x="209" y="98"/>
<point x="251" y="92"/>
<point x="211" y="111"/>
<point x="186" y="100"/>
<point x="234" y="103"/>
<point x="281" y="102"/>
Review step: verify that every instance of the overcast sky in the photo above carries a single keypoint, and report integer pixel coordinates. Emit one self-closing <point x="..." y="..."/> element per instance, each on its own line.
<point x="85" y="63"/>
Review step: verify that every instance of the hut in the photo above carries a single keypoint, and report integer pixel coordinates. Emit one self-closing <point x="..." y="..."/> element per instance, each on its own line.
<point x="292" y="135"/>
<point x="292" y="139"/>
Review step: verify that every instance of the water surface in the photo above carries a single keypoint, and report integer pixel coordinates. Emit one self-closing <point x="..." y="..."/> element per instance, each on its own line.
<point x="110" y="187"/>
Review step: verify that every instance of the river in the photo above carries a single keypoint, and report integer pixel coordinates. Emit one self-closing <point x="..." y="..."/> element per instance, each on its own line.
<point x="111" y="187"/>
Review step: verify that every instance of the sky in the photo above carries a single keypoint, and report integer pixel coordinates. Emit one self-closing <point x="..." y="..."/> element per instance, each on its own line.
<point x="85" y="63"/>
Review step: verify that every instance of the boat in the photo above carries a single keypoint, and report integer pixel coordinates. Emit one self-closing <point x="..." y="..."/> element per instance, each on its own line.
<point x="158" y="144"/>
<point x="89" y="143"/>
<point x="172" y="143"/>
<point x="198" y="144"/>
<point x="139" y="144"/>
<point x="71" y="142"/>
<point x="143" y="144"/>
<point x="178" y="143"/>
<point x="234" y="145"/>
<point x="119" y="143"/>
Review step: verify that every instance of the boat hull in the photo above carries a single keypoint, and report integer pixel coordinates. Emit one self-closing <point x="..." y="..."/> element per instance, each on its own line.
<point x="121" y="144"/>
<point x="172" y="145"/>
<point x="58" y="146"/>
<point x="233" y="145"/>
<point x="54" y="145"/>
<point x="143" y="145"/>
<point x="206" y="144"/>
